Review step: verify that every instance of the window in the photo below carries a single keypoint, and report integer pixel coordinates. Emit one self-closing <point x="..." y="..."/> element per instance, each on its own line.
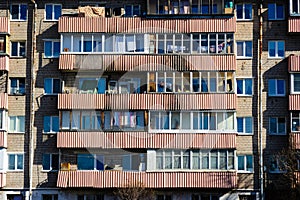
<point x="244" y="86"/>
<point x="17" y="86"/>
<point x="52" y="85"/>
<point x="51" y="49"/>
<point x="18" y="49"/>
<point x="49" y="197"/>
<point x="276" y="87"/>
<point x="90" y="162"/>
<point x="51" y="124"/>
<point x="15" y="162"/>
<point x="2" y="44"/>
<point x="14" y="197"/>
<point x="132" y="10"/>
<point x="244" y="125"/>
<point x="52" y="11"/>
<point x="50" y="162"/>
<point x="277" y="125"/>
<point x="90" y="197"/>
<point x="17" y="124"/>
<point x="277" y="164"/>
<point x="295" y="83"/>
<point x="294" y="7"/>
<point x="275" y="11"/>
<point x="295" y="122"/>
<point x="276" y="49"/>
<point x="186" y="82"/>
<point x="18" y="12"/>
<point x="163" y="197"/>
<point x="244" y="49"/>
<point x="195" y="159"/>
<point x="244" y="11"/>
<point x="245" y="163"/>
<point x="205" y="197"/>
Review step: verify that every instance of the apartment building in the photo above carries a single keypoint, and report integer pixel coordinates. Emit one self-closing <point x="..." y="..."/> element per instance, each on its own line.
<point x="191" y="98"/>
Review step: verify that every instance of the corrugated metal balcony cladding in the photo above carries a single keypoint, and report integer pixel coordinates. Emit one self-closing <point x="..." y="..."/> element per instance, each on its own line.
<point x="156" y="101"/>
<point x="294" y="63"/>
<point x="3" y="139"/>
<point x="108" y="140"/>
<point x="4" y="25"/>
<point x="294" y="102"/>
<point x="2" y="179"/>
<point x="141" y="25"/>
<point x="294" y="24"/>
<point x="4" y="63"/>
<point x="131" y="62"/>
<point x="112" y="179"/>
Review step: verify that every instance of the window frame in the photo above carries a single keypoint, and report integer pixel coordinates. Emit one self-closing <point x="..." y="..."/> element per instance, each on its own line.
<point x="18" y="89"/>
<point x="53" y="53"/>
<point x="278" y="163"/>
<point x="277" y="126"/>
<point x="276" y="88"/>
<point x="292" y="8"/>
<point x="132" y="10"/>
<point x="293" y="83"/>
<point x="17" y="123"/>
<point x="276" y="49"/>
<point x="243" y="12"/>
<point x="15" y="161"/>
<point x="50" y="124"/>
<point x="295" y="118"/>
<point x="53" y="12"/>
<point x="244" y="47"/>
<point x="52" y="86"/>
<point x="276" y="18"/>
<point x="19" y="46"/>
<point x="19" y="12"/>
<point x="245" y="167"/>
<point x="244" y="125"/>
<point x="244" y="86"/>
<point x="50" y="162"/>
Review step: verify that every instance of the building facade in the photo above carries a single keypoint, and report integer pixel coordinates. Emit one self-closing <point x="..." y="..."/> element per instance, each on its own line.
<point x="193" y="99"/>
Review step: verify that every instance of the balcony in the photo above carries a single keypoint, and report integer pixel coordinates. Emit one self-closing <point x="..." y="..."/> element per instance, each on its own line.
<point x="2" y="179"/>
<point x="294" y="102"/>
<point x="4" y="63"/>
<point x="294" y="63"/>
<point x="294" y="24"/>
<point x="3" y="139"/>
<point x="113" y="179"/>
<point x="147" y="101"/>
<point x="295" y="138"/>
<point x="142" y="25"/>
<point x="107" y="140"/>
<point x="3" y="101"/>
<point x="4" y="25"/>
<point x="225" y="62"/>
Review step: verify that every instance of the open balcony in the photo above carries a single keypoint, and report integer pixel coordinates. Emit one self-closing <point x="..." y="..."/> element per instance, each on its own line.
<point x="108" y="140"/>
<point x="3" y="139"/>
<point x="115" y="179"/>
<point x="142" y="25"/>
<point x="147" y="101"/>
<point x="2" y="179"/>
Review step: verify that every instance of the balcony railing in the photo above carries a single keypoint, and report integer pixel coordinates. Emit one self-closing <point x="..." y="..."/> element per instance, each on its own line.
<point x="4" y="63"/>
<point x="294" y="102"/>
<point x="3" y="139"/>
<point x="142" y="25"/>
<point x="109" y="140"/>
<point x="147" y="101"/>
<point x="294" y="63"/>
<point x="294" y="24"/>
<point x="113" y="179"/>
<point x="4" y="25"/>
<point x="295" y="139"/>
<point x="148" y="62"/>
<point x="2" y="179"/>
<point x="3" y="101"/>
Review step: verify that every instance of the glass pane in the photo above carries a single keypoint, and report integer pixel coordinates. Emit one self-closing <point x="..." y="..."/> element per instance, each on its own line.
<point x="55" y="123"/>
<point x="48" y="49"/>
<point x="11" y="162"/>
<point x="12" y="123"/>
<point x="214" y="160"/>
<point x="249" y="163"/>
<point x="205" y="160"/>
<point x="23" y="14"/>
<point x="248" y="48"/>
<point x="56" y="49"/>
<point x="271" y="11"/>
<point x="57" y="11"/>
<point x="296" y="82"/>
<point x="272" y="52"/>
<point x="85" y="162"/>
<point x="280" y="11"/>
<point x="175" y="120"/>
<point x="195" y="121"/>
<point x="239" y="83"/>
<point x="46" y="124"/>
<point x="14" y="49"/>
<point x="65" y="119"/>
<point x="241" y="163"/>
<point x="22" y="49"/>
<point x="56" y="86"/>
<point x="240" y="124"/>
<point x="239" y="48"/>
<point x="280" y="49"/>
<point x="239" y="11"/>
<point x="19" y="161"/>
<point x="48" y="85"/>
<point x="248" y="121"/>
<point x="46" y="161"/>
<point x="186" y="121"/>
<point x="273" y="125"/>
<point x="248" y="86"/>
<point x="55" y="162"/>
<point x="15" y="11"/>
<point x="281" y="125"/>
<point x="48" y="11"/>
<point x="280" y="87"/>
<point x="21" y="124"/>
<point x="248" y="11"/>
<point x="272" y="87"/>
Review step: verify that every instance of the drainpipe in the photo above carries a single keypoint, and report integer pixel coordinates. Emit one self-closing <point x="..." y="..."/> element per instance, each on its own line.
<point x="32" y="83"/>
<point x="260" y="114"/>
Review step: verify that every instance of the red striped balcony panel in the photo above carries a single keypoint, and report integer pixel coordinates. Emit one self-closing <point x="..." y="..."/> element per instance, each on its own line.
<point x="294" y="102"/>
<point x="294" y="25"/>
<point x="147" y="101"/>
<point x="2" y="179"/>
<point x="3" y="101"/>
<point x="4" y="63"/>
<point x="3" y="139"/>
<point x="294" y="63"/>
<point x="295" y="140"/>
<point x="116" y="179"/>
<point x="141" y="25"/>
<point x="222" y="62"/>
<point x="297" y="176"/>
<point x="4" y="25"/>
<point x="107" y="140"/>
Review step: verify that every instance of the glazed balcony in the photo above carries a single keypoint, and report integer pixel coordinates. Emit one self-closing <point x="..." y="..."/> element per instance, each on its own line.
<point x="294" y="63"/>
<point x="3" y="139"/>
<point x="115" y="179"/>
<point x="294" y="102"/>
<point x="214" y="62"/>
<point x="148" y="101"/>
<point x="2" y="179"/>
<point x="142" y="25"/>
<point x="107" y="140"/>
<point x="294" y="24"/>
